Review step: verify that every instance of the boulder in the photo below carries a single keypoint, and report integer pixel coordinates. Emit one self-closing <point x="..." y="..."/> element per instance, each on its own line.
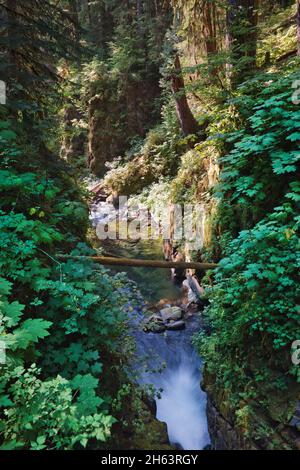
<point x="176" y="325"/>
<point x="171" y="313"/>
<point x="295" y="421"/>
<point x="154" y="324"/>
<point x="157" y="328"/>
<point x="154" y="318"/>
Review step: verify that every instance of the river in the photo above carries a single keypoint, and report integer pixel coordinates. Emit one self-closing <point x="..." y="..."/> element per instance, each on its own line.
<point x="168" y="361"/>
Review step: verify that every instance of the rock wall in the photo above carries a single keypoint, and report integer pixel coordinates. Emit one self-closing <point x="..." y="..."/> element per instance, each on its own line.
<point x="222" y="433"/>
<point x="142" y="430"/>
<point x="226" y="434"/>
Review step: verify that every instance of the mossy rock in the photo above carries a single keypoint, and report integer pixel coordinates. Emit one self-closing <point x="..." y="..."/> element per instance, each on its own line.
<point x="155" y="437"/>
<point x="137" y="428"/>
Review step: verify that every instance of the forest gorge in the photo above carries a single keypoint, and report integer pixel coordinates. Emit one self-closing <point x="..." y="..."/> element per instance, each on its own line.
<point x="186" y="101"/>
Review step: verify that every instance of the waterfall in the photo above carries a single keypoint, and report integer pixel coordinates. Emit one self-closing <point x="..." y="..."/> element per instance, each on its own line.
<point x="182" y="403"/>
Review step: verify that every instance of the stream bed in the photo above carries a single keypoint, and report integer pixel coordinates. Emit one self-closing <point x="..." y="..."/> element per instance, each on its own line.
<point x="166" y="361"/>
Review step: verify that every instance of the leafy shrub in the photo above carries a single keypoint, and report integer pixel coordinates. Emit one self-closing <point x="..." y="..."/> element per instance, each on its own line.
<point x="254" y="311"/>
<point x="257" y="172"/>
<point x="65" y="316"/>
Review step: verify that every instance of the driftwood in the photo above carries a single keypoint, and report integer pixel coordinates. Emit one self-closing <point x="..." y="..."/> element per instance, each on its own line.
<point x="147" y="263"/>
<point x="286" y="55"/>
<point x="96" y="188"/>
<point x="99" y="193"/>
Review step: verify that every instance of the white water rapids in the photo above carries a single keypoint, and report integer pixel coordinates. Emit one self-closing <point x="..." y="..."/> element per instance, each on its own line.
<point x="182" y="407"/>
<point x="182" y="404"/>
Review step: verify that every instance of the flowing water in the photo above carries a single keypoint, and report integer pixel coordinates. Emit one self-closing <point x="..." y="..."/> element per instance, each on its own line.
<point x="182" y="404"/>
<point x="167" y="361"/>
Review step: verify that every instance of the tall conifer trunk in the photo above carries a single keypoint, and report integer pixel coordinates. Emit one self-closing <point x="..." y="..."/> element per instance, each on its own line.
<point x="11" y="30"/>
<point x="298" y="27"/>
<point x="73" y="11"/>
<point x="209" y="28"/>
<point x="209" y="34"/>
<point x="187" y="121"/>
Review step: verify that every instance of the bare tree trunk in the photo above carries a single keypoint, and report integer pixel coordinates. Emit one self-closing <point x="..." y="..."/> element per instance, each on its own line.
<point x="89" y="12"/>
<point x="139" y="9"/>
<point x="187" y="121"/>
<point x="11" y="31"/>
<point x="139" y="13"/>
<point x="73" y="12"/>
<point x="109" y="261"/>
<point x="298" y="27"/>
<point x="209" y="34"/>
<point x="208" y="28"/>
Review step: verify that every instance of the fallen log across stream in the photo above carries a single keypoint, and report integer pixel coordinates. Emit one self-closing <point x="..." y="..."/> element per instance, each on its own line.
<point x="110" y="261"/>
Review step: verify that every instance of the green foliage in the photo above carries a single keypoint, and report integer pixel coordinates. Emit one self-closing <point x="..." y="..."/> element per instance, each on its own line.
<point x="66" y="317"/>
<point x="256" y="287"/>
<point x="254" y="311"/>
<point x="42" y="414"/>
<point x="120" y="86"/>
<point x="62" y="321"/>
<point x="255" y="319"/>
<point x="263" y="162"/>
